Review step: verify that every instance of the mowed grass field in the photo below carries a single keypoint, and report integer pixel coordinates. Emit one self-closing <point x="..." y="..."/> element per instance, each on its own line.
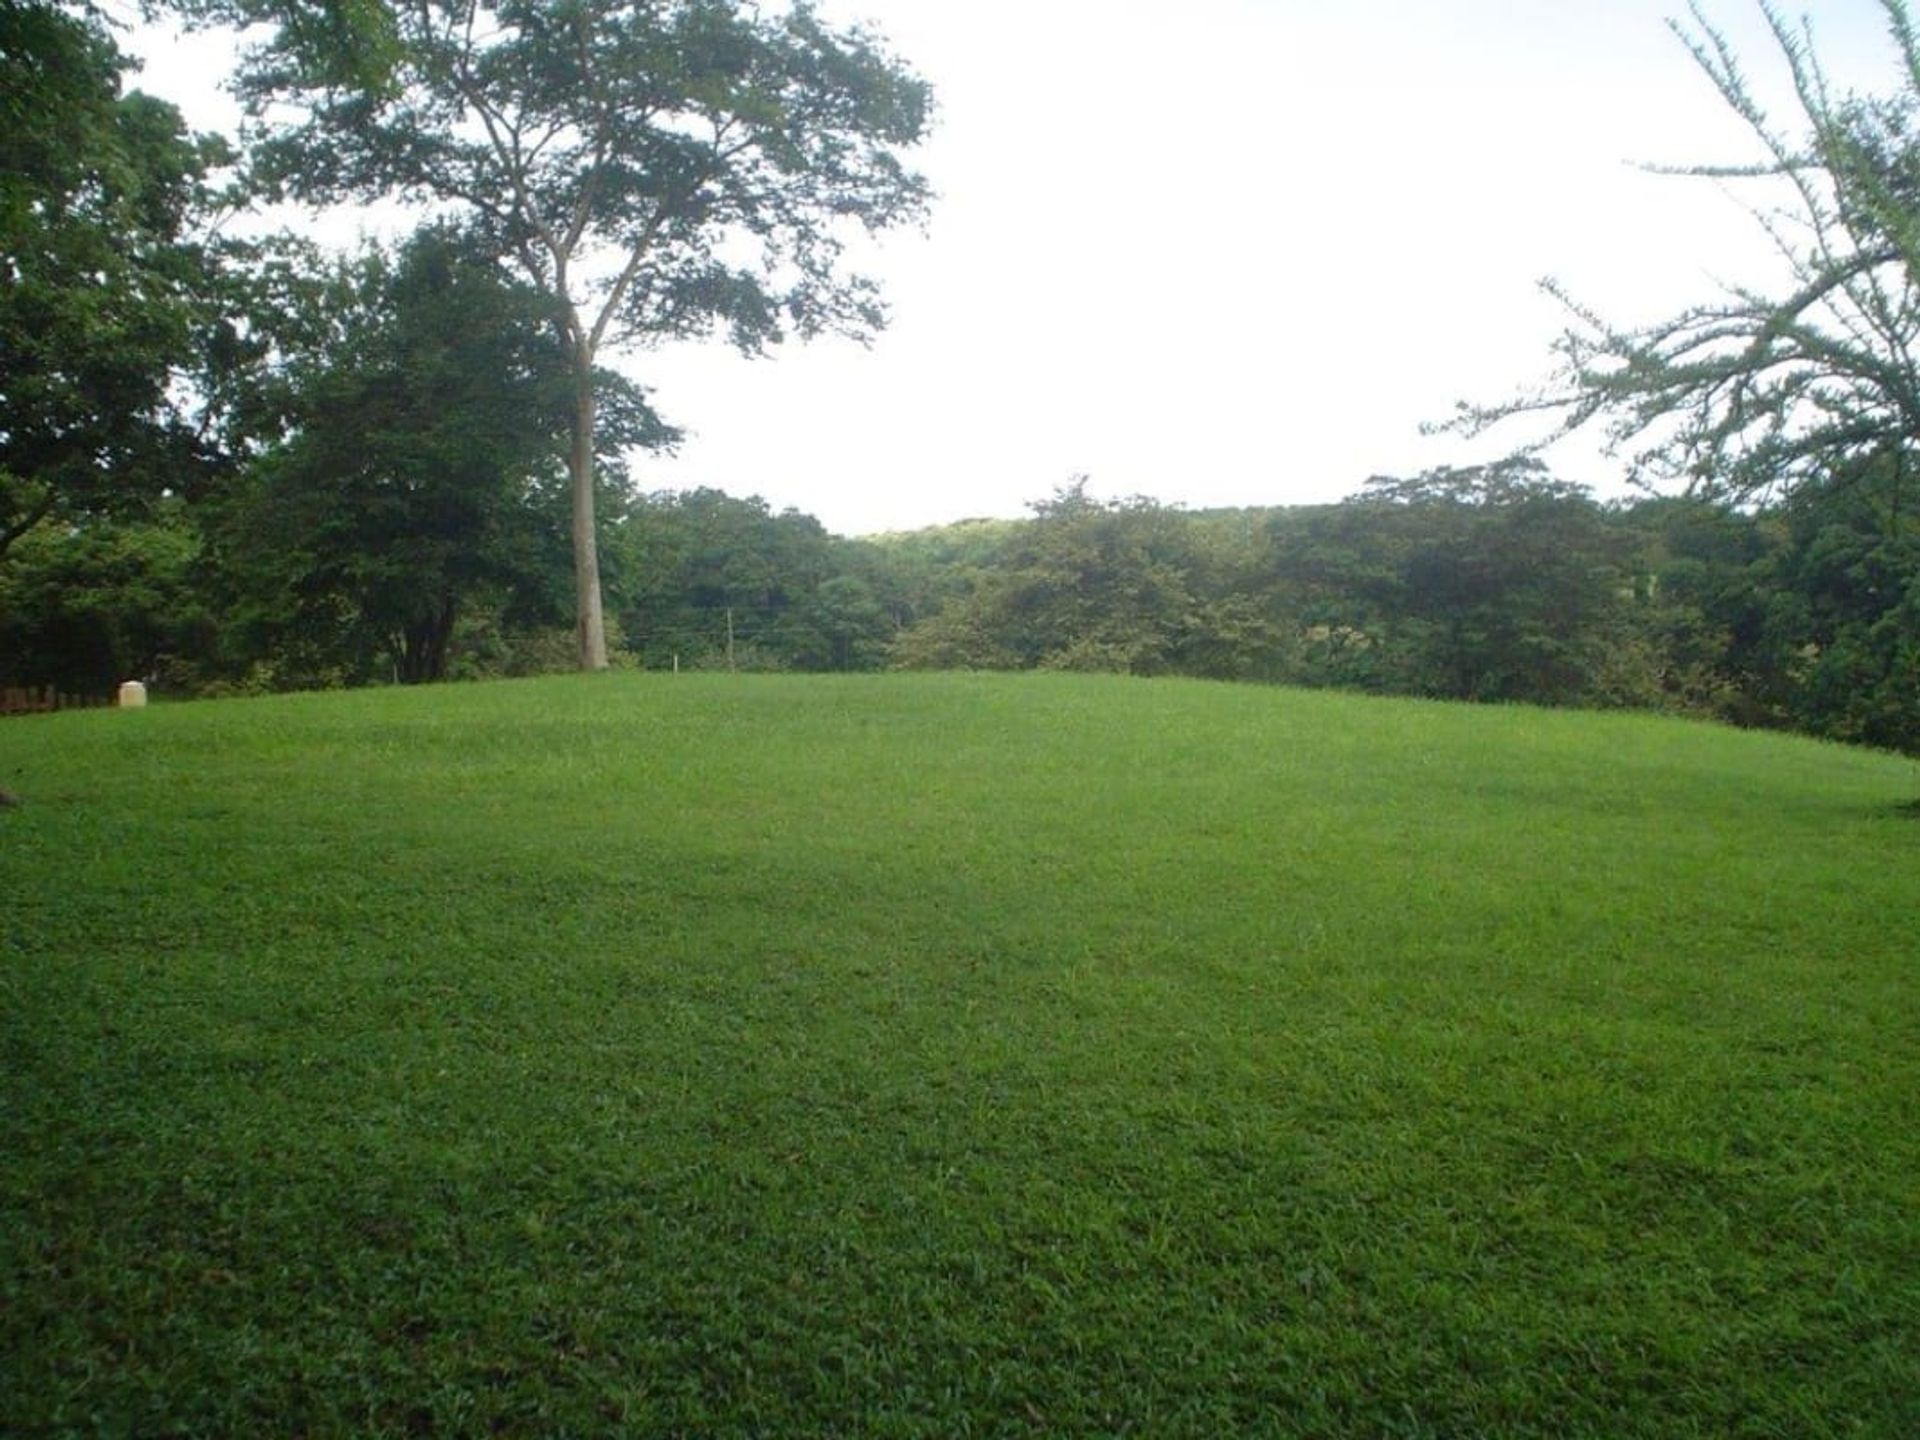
<point x="953" y="1055"/>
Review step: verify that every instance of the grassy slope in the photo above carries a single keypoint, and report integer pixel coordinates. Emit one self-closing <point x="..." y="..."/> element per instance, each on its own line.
<point x="945" y="1055"/>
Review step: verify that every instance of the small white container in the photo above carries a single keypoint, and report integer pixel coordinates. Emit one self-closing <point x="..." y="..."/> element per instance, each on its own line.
<point x="132" y="695"/>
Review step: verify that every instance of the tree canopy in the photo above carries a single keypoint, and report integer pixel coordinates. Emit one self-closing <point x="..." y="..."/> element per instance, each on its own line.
<point x="103" y="285"/>
<point x="659" y="168"/>
<point x="416" y="464"/>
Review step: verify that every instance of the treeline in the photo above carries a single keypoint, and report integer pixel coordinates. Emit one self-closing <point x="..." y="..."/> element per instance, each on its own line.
<point x="1495" y="584"/>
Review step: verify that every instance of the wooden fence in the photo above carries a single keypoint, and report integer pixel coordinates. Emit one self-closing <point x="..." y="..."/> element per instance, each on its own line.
<point x="17" y="700"/>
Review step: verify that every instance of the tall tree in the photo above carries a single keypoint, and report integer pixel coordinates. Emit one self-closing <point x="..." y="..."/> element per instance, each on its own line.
<point x="102" y="283"/>
<point x="660" y="168"/>
<point x="1757" y="392"/>
<point x="417" y="463"/>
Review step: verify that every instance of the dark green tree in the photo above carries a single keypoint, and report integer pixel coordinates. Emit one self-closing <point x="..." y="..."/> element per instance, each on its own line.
<point x="104" y="291"/>
<point x="657" y="168"/>
<point x="417" y="472"/>
<point x="842" y="626"/>
<point x="83" y="607"/>
<point x="1694" y="638"/>
<point x="1486" y="583"/>
<point x="1842" y="625"/>
<point x="1502" y="576"/>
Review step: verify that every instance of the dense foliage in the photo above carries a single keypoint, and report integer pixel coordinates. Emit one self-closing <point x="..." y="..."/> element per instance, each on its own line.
<point x="1494" y="584"/>
<point x="103" y="289"/>
<point x="1497" y="584"/>
<point x="257" y="466"/>
<point x="411" y="476"/>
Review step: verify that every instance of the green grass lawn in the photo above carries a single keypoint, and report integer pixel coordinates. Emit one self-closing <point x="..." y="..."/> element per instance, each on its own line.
<point x="953" y="1056"/>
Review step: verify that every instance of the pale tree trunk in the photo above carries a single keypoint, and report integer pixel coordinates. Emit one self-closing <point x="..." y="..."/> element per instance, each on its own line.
<point x="591" y="629"/>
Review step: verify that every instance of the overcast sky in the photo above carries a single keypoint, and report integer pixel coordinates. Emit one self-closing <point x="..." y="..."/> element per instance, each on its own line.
<point x="1230" y="252"/>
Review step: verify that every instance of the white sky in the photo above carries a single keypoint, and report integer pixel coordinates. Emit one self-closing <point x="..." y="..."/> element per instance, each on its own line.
<point x="1230" y="252"/>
